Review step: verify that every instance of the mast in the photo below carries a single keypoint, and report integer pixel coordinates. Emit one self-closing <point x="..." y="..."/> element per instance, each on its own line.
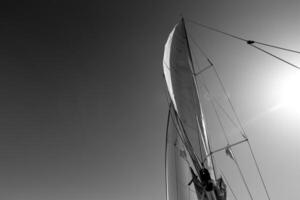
<point x="201" y="123"/>
<point x="187" y="118"/>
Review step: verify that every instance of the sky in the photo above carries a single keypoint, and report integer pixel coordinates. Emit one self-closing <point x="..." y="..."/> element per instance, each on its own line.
<point x="83" y="106"/>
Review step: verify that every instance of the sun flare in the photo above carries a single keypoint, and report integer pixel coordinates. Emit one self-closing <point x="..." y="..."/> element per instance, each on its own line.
<point x="289" y="94"/>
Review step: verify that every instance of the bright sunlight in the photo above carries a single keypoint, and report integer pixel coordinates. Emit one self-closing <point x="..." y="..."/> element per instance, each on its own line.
<point x="289" y="94"/>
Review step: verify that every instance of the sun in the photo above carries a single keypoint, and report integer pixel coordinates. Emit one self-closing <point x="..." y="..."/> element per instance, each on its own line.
<point x="289" y="93"/>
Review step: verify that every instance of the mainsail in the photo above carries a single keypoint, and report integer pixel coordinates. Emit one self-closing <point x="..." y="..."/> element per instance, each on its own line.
<point x="187" y="141"/>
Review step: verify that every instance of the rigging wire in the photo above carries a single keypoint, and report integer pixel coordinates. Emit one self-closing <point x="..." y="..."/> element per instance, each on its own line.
<point x="169" y="118"/>
<point x="276" y="57"/>
<point x="196" y="82"/>
<point x="218" y="116"/>
<point x="228" y="143"/>
<point x="223" y="87"/>
<point x="216" y="30"/>
<point x="224" y="132"/>
<point x="233" y="109"/>
<point x="277" y="47"/>
<point x="227" y="115"/>
<point x="240" y="38"/>
<point x="251" y="43"/>
<point x="200" y="131"/>
<point x="241" y="174"/>
<point x="197" y="130"/>
<point x="257" y="167"/>
<point x="209" y="146"/>
<point x="219" y="79"/>
<point x="243" y="132"/>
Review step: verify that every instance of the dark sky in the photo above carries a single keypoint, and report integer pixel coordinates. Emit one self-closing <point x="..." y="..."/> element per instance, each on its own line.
<point x="76" y="80"/>
<point x="83" y="110"/>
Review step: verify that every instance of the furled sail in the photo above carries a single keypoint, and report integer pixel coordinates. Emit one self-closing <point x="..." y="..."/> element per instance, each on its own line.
<point x="186" y="134"/>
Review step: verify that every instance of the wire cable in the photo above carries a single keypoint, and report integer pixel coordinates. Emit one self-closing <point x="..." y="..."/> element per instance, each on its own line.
<point x="277" y="47"/>
<point x="232" y="107"/>
<point x="276" y="57"/>
<point x="251" y="43"/>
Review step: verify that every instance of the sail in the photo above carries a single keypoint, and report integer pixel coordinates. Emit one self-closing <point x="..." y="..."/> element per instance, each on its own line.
<point x="178" y="72"/>
<point x="189" y="169"/>
<point x="177" y="165"/>
<point x="182" y="182"/>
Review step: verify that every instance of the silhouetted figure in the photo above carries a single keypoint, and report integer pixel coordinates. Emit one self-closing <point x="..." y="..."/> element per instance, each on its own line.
<point x="206" y="179"/>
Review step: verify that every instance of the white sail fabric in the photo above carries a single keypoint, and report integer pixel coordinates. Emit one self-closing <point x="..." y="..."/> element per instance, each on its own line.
<point x="183" y="92"/>
<point x="178" y="174"/>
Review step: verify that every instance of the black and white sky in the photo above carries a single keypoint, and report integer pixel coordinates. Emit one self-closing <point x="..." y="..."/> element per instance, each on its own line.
<point x="83" y="109"/>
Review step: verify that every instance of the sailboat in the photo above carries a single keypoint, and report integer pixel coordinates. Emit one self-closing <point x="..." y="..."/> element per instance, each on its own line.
<point x="190" y="165"/>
